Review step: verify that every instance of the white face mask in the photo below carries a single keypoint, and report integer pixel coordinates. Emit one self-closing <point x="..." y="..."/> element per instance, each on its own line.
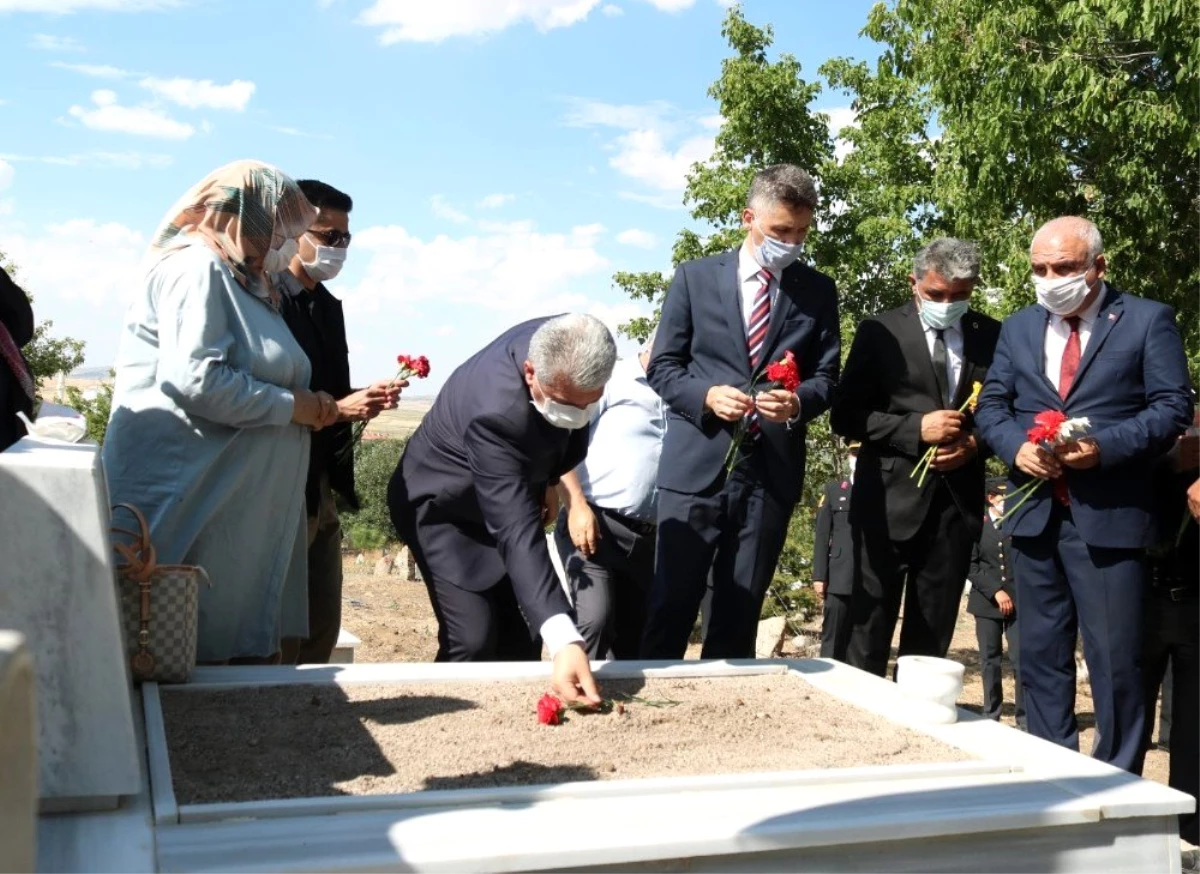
<point x="326" y="264"/>
<point x="850" y="463"/>
<point x="775" y="255"/>
<point x="277" y="260"/>
<point x="941" y="316"/>
<point x="1061" y="295"/>
<point x="564" y="415"/>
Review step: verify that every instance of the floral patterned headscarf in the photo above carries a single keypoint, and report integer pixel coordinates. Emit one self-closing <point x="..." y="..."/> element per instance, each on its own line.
<point x="240" y="211"/>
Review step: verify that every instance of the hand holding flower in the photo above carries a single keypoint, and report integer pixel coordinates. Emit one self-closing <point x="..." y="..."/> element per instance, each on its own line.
<point x="777" y="405"/>
<point x="951" y="456"/>
<point x="728" y="403"/>
<point x="943" y="429"/>
<point x="1079" y="454"/>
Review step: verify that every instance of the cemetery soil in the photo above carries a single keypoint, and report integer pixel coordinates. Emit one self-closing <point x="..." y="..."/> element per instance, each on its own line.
<point x="242" y="744"/>
<point x="395" y="622"/>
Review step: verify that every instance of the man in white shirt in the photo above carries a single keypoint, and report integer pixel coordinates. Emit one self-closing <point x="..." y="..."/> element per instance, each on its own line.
<point x="905" y="392"/>
<point x="606" y="528"/>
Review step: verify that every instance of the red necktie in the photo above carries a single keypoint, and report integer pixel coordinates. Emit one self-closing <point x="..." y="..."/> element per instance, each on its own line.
<point x="12" y="355"/>
<point x="1066" y="377"/>
<point x="756" y="333"/>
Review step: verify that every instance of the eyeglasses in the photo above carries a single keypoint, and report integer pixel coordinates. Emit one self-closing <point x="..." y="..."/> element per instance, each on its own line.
<point x="337" y="239"/>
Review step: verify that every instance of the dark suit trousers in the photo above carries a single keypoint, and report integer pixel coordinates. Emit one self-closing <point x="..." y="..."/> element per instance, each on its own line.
<point x="929" y="570"/>
<point x="736" y="530"/>
<point x="835" y="626"/>
<point x="1173" y="631"/>
<point x="324" y="586"/>
<point x="1065" y="587"/>
<point x="609" y="588"/>
<point x="989" y="633"/>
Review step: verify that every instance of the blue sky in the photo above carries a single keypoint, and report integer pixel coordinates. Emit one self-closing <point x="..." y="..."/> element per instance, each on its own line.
<point x="505" y="157"/>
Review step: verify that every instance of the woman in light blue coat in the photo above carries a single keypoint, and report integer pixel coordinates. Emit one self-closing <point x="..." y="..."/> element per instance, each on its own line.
<point x="211" y="420"/>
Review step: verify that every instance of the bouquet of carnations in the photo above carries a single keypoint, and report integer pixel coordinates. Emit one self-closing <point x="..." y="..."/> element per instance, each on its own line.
<point x="409" y="366"/>
<point x="922" y="467"/>
<point x="1051" y="428"/>
<point x="785" y="374"/>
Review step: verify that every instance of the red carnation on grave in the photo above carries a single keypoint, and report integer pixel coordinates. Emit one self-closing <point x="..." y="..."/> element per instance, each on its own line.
<point x="549" y="710"/>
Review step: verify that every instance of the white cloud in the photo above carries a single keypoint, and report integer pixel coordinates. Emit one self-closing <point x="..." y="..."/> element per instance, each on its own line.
<point x="627" y="116"/>
<point x="6" y="174"/>
<point x="643" y="155"/>
<point x="202" y="93"/>
<point x="49" y="43"/>
<point x="637" y="238"/>
<point x="113" y="160"/>
<point x="611" y="10"/>
<point x="82" y="274"/>
<point x="146" y="121"/>
<point x="495" y="201"/>
<point x="408" y="21"/>
<point x="443" y="210"/>
<point x="838" y="118"/>
<point x="98" y="71"/>
<point x="671" y="5"/>
<point x="66" y="7"/>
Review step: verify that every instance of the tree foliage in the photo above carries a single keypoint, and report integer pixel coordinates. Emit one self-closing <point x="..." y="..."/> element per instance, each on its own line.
<point x="47" y="355"/>
<point x="374" y="463"/>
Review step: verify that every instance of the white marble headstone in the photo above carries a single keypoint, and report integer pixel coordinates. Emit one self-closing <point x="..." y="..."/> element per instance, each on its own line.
<point x="18" y="767"/>
<point x="57" y="588"/>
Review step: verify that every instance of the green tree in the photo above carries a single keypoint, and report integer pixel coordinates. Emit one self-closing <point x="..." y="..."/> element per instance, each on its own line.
<point x="96" y="410"/>
<point x="374" y="463"/>
<point x="48" y="356"/>
<point x="984" y="118"/>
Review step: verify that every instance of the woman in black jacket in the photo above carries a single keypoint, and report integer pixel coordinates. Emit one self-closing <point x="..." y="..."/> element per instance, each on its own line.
<point x="16" y="382"/>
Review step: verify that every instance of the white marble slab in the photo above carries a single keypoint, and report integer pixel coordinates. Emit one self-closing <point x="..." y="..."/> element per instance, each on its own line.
<point x="18" y="755"/>
<point x="57" y="588"/>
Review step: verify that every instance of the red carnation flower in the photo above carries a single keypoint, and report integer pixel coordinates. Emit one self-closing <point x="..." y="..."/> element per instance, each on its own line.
<point x="1046" y="425"/>
<point x="785" y="372"/>
<point x="549" y="710"/>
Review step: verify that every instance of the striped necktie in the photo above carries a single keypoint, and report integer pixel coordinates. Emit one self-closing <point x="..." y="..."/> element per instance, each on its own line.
<point x="756" y="333"/>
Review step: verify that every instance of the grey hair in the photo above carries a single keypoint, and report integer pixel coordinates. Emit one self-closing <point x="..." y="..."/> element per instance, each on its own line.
<point x="782" y="183"/>
<point x="648" y="345"/>
<point x="574" y="349"/>
<point x="950" y="258"/>
<point x="1079" y="228"/>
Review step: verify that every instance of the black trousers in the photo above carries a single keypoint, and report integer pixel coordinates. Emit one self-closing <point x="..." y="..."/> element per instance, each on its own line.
<point x="928" y="570"/>
<point x="1172" y="630"/>
<point x="988" y="634"/>
<point x="835" y="626"/>
<point x="324" y="587"/>
<point x="609" y="588"/>
<point x="735" y="529"/>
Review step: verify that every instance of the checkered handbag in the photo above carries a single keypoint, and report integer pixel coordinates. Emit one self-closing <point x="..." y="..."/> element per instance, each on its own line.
<point x="159" y="606"/>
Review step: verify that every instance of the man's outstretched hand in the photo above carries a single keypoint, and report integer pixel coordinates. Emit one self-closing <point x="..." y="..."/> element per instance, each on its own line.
<point x="572" y="677"/>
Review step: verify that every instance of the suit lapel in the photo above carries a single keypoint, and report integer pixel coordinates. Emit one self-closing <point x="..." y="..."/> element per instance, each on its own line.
<point x="780" y="312"/>
<point x="971" y="366"/>
<point x="1038" y="326"/>
<point x="916" y="350"/>
<point x="1108" y="316"/>
<point x="730" y="292"/>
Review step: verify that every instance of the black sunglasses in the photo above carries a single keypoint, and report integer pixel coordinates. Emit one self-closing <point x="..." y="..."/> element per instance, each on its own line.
<point x="332" y="238"/>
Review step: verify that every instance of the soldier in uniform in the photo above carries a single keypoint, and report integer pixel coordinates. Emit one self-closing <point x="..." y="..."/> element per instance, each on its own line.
<point x="993" y="603"/>
<point x="833" y="562"/>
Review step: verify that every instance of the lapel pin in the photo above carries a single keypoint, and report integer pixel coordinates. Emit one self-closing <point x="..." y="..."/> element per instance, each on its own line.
<point x="1112" y="317"/>
<point x="974" y="324"/>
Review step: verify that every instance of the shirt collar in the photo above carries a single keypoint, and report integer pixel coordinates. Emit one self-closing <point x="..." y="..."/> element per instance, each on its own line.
<point x="747" y="266"/>
<point x="1088" y="316"/>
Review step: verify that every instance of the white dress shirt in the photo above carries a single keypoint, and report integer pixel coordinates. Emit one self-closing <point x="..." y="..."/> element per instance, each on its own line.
<point x="1058" y="332"/>
<point x="953" y="338"/>
<point x="749" y="282"/>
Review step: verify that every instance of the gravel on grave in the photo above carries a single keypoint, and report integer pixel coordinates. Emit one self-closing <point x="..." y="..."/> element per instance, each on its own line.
<point x="319" y="740"/>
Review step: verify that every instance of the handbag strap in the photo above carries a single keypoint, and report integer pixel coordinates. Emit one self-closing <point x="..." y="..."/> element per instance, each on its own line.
<point x="140" y="558"/>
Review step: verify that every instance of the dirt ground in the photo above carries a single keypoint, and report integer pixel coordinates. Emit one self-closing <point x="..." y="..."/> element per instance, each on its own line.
<point x="396" y="624"/>
<point x="359" y="740"/>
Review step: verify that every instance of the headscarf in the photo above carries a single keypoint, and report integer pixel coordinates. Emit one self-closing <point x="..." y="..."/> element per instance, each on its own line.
<point x="240" y="211"/>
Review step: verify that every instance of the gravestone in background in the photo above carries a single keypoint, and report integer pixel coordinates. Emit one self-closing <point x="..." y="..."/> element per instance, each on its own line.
<point x="57" y="588"/>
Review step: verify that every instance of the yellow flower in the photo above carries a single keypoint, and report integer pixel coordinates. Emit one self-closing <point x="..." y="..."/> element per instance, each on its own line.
<point x="973" y="400"/>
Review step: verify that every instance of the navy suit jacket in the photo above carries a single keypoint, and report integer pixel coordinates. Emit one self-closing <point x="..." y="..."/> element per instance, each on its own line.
<point x="470" y="484"/>
<point x="701" y="342"/>
<point x="1132" y="384"/>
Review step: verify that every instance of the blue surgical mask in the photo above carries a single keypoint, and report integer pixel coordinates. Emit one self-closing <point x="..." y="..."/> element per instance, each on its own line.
<point x="565" y="415"/>
<point x="940" y="316"/>
<point x="776" y="255"/>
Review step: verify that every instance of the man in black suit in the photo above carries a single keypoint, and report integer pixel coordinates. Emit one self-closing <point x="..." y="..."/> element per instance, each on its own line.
<point x="833" y="562"/>
<point x="315" y="318"/>
<point x="473" y="492"/>
<point x="909" y="373"/>
<point x="724" y="319"/>
<point x="993" y="603"/>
